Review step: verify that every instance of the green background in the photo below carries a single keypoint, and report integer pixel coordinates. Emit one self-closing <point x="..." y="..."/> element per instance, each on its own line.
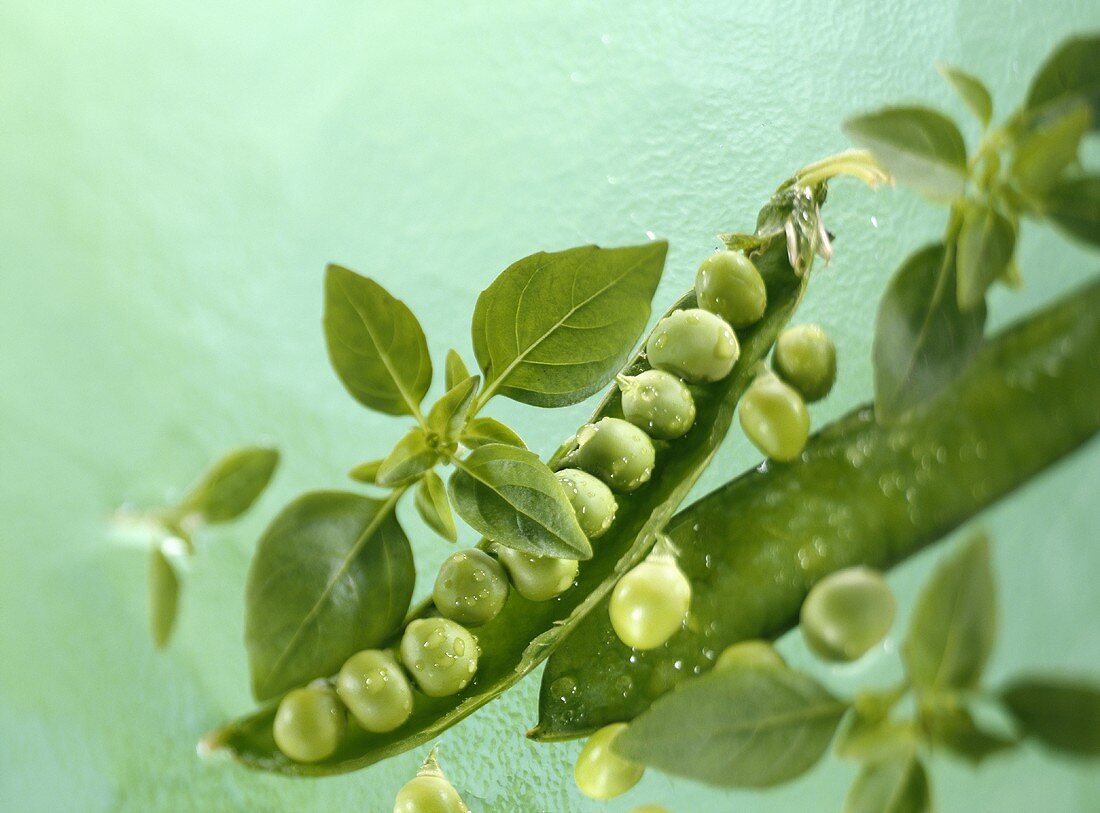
<point x="174" y="178"/>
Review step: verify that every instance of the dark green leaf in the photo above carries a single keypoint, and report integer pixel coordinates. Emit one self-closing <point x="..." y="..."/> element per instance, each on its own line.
<point x="514" y="499"/>
<point x="1045" y="152"/>
<point x="455" y="370"/>
<point x="955" y="728"/>
<point x="987" y="242"/>
<point x="1075" y="206"/>
<point x="922" y="339"/>
<point x="750" y="727"/>
<point x="555" y="328"/>
<point x="376" y="345"/>
<point x="434" y="507"/>
<point x="1071" y="73"/>
<point x="232" y="484"/>
<point x="481" y="431"/>
<point x="871" y="736"/>
<point x="164" y="592"/>
<point x="367" y="472"/>
<point x="954" y="624"/>
<point x="1061" y="713"/>
<point x="920" y="147"/>
<point x="410" y="458"/>
<point x="971" y="90"/>
<point x="332" y="574"/>
<point x="892" y="786"/>
<point x="448" y="415"/>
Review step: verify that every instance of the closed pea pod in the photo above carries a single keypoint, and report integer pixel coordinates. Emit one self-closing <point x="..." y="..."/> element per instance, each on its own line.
<point x="429" y="792"/>
<point x="375" y="690"/>
<point x="310" y="723"/>
<point x="616" y="451"/>
<point x="805" y="357"/>
<point x="537" y="578"/>
<point x="440" y="655"/>
<point x="471" y="587"/>
<point x="728" y="284"/>
<point x="847" y="613"/>
<point x="774" y="417"/>
<point x="651" y="602"/>
<point x="592" y="501"/>
<point x="602" y="774"/>
<point x="657" y="402"/>
<point x="694" y="344"/>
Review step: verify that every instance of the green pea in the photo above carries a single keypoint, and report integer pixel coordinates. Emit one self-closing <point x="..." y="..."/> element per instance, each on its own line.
<point x="657" y="402"/>
<point x="650" y="603"/>
<point x="616" y="451"/>
<point x="847" y="613"/>
<point x="592" y="501"/>
<point x="471" y="587"/>
<point x="602" y="774"/>
<point x="728" y="284"/>
<point x="695" y="344"/>
<point x="375" y="690"/>
<point x="440" y="655"/>
<point x="805" y="357"/>
<point x="309" y="724"/>
<point x="749" y="653"/>
<point x="429" y="794"/>
<point x="538" y="578"/>
<point x="774" y="417"/>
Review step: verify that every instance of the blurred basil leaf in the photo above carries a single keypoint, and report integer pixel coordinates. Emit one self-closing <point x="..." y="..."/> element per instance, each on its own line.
<point x="232" y="484"/>
<point x="1062" y="713"/>
<point x="955" y="728"/>
<point x="1074" y="204"/>
<point x="890" y="786"/>
<point x="367" y="472"/>
<point x="1042" y="154"/>
<point x="971" y="90"/>
<point x="1071" y="73"/>
<point x="987" y="241"/>
<point x="164" y="592"/>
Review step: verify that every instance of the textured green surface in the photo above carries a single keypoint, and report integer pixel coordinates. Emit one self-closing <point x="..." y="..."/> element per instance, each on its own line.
<point x="175" y="179"/>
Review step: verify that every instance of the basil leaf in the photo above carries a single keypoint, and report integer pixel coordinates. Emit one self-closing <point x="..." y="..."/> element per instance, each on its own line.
<point x="410" y="458"/>
<point x="1071" y="73"/>
<point x="164" y="592"/>
<point x="448" y="415"/>
<point x="1062" y="713"/>
<point x="230" y="487"/>
<point x="954" y="624"/>
<point x="921" y="147"/>
<point x="367" y="472"/>
<point x="956" y="729"/>
<point x="376" y="345"/>
<point x="869" y="737"/>
<point x="892" y="786"/>
<point x="1043" y="153"/>
<point x="434" y="507"/>
<point x="514" y="499"/>
<point x="987" y="241"/>
<point x="922" y="339"/>
<point x="556" y="327"/>
<point x="481" y="431"/>
<point x="971" y="90"/>
<point x="454" y="370"/>
<point x="332" y="574"/>
<point x="750" y="727"/>
<point x="1075" y="206"/>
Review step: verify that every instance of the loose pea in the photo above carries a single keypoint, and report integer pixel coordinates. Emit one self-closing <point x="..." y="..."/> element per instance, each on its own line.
<point x="440" y="655"/>
<point x="657" y="402"/>
<point x="429" y="792"/>
<point x="592" y="501"/>
<point x="728" y="284"/>
<point x="538" y="578"/>
<point x="774" y="417"/>
<point x="602" y="774"/>
<point x="471" y="587"/>
<point x="695" y="344"/>
<point x="805" y="357"/>
<point x="375" y="690"/>
<point x="309" y="724"/>
<point x="616" y="451"/>
<point x="847" y="613"/>
<point x="650" y="603"/>
<point x="749" y="653"/>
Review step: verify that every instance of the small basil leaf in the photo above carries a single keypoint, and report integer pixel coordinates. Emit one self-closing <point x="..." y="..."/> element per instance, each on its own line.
<point x="869" y="737"/>
<point x="448" y="415"/>
<point x="922" y="339"/>
<point x="230" y="487"/>
<point x="1043" y="153"/>
<point x="454" y="370"/>
<point x="920" y="147"/>
<point x="554" y="328"/>
<point x="891" y="786"/>
<point x="954" y="624"/>
<point x="514" y="499"/>
<point x="367" y="472"/>
<point x="750" y="727"/>
<point x="956" y="729"/>
<point x="434" y="507"/>
<point x="971" y="90"/>
<point x="1061" y="713"/>
<point x="1075" y="206"/>
<point x="332" y="574"/>
<point x="410" y="458"/>
<point x="1071" y="73"/>
<point x="164" y="592"/>
<point x="376" y="345"/>
<point x="482" y="431"/>
<point x="987" y="241"/>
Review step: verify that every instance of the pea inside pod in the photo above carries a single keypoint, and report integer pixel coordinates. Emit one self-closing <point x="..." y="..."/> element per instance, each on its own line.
<point x="538" y="578"/>
<point x="749" y="653"/>
<point x="440" y="655"/>
<point x="616" y="451"/>
<point x="694" y="344"/>
<point x="471" y="587"/>
<point x="805" y="357"/>
<point x="592" y="501"/>
<point x="375" y="690"/>
<point x="309" y="723"/>
<point x="728" y="284"/>
<point x="658" y="403"/>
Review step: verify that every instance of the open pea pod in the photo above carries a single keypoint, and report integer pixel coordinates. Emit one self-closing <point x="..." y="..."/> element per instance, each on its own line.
<point x="861" y="494"/>
<point x="525" y="632"/>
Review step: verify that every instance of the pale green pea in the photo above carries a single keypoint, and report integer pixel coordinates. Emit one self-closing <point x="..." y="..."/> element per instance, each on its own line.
<point x="538" y="578"/>
<point x="440" y="655"/>
<point x="471" y="587"/>
<point x="728" y="284"/>
<point x="749" y="653"/>
<point x="774" y="417"/>
<point x="616" y="451"/>
<point x="429" y="792"/>
<point x="375" y="690"/>
<point x="602" y="774"/>
<point x="694" y="344"/>
<point x="657" y="402"/>
<point x="309" y="724"/>
<point x="847" y="613"/>
<point x="805" y="357"/>
<point x="650" y="603"/>
<point x="592" y="501"/>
